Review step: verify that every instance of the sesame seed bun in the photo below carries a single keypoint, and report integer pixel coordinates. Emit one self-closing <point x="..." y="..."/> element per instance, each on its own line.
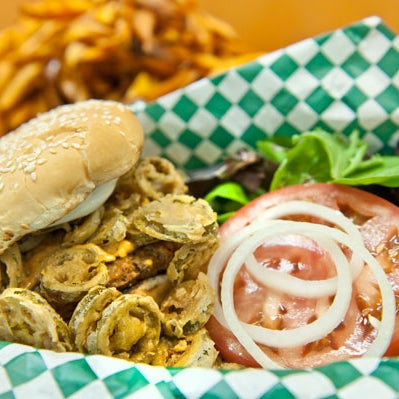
<point x="50" y="164"/>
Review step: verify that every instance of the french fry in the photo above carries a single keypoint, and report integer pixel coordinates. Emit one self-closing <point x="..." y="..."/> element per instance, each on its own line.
<point x="144" y="23"/>
<point x="22" y="81"/>
<point x="6" y="71"/>
<point x="144" y="86"/>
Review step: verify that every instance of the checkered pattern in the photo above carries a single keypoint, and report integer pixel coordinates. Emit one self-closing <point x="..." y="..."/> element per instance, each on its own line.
<point x="344" y="80"/>
<point x="340" y="81"/>
<point x="30" y="373"/>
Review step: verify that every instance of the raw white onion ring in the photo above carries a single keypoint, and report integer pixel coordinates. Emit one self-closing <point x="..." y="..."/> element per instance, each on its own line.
<point x="289" y="284"/>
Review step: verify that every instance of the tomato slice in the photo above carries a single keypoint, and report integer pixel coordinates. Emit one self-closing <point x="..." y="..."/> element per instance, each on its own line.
<point x="378" y="223"/>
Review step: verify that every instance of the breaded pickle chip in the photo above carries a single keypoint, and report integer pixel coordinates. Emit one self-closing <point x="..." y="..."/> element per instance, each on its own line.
<point x="155" y="177"/>
<point x="179" y="218"/>
<point x="69" y="273"/>
<point x="33" y="259"/>
<point x="112" y="230"/>
<point x="188" y="307"/>
<point x="129" y="328"/>
<point x="27" y="318"/>
<point x="14" y="274"/>
<point x="82" y="232"/>
<point x="201" y="352"/>
<point x="88" y="312"/>
<point x="195" y="350"/>
<point x="190" y="259"/>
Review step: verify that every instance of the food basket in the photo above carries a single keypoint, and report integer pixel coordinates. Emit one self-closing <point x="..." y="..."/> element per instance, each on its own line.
<point x="344" y="80"/>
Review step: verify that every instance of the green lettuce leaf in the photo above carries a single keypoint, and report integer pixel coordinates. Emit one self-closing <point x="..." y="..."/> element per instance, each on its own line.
<point x="319" y="156"/>
<point x="226" y="198"/>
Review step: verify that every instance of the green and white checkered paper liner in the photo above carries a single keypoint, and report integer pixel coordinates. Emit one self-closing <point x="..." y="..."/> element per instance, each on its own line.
<point x="29" y="373"/>
<point x="344" y="80"/>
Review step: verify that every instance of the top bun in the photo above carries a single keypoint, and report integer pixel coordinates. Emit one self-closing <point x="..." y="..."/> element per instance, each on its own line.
<point x="50" y="164"/>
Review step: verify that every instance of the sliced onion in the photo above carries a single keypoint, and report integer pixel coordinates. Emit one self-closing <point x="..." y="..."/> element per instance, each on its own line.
<point x="237" y="249"/>
<point x="285" y="282"/>
<point x="289" y="284"/>
<point x="304" y="334"/>
<point x="295" y="207"/>
<point x="92" y="202"/>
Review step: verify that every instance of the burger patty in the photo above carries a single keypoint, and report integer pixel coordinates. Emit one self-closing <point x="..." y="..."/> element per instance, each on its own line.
<point x="142" y="263"/>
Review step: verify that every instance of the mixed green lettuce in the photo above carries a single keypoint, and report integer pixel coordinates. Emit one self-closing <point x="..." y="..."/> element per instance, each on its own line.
<point x="310" y="157"/>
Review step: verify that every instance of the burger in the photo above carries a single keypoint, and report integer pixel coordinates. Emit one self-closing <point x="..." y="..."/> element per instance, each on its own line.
<point x="102" y="250"/>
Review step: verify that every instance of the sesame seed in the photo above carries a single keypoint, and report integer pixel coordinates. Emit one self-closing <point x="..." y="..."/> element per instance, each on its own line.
<point x="30" y="168"/>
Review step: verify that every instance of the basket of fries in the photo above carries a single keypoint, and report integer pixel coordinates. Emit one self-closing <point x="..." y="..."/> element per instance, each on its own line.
<point x="340" y="81"/>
